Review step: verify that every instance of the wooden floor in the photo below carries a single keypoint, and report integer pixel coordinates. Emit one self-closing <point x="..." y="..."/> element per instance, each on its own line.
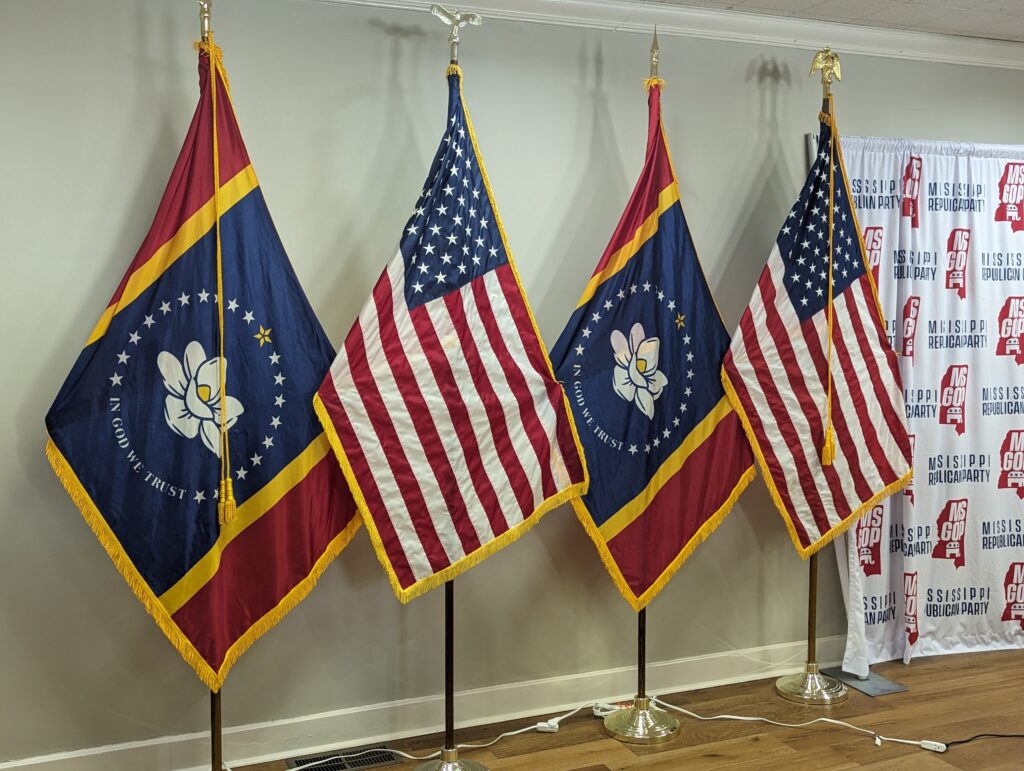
<point x="950" y="697"/>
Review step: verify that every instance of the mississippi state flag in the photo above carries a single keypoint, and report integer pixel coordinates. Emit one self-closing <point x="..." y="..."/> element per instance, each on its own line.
<point x="134" y="431"/>
<point x="442" y="408"/>
<point x="639" y="360"/>
<point x="811" y="353"/>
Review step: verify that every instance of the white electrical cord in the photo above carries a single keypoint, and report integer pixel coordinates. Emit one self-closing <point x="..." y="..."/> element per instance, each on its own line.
<point x="601" y="709"/>
<point x="923" y="744"/>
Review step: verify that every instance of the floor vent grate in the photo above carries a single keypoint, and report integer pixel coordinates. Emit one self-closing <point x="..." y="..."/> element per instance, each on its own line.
<point x="375" y="757"/>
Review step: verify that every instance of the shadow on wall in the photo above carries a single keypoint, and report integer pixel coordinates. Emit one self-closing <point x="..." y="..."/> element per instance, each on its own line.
<point x="71" y="592"/>
<point x="770" y="191"/>
<point x="394" y="156"/>
<point x="592" y="208"/>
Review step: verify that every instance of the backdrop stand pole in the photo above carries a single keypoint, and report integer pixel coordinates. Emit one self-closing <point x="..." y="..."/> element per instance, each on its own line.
<point x="216" y="744"/>
<point x="450" y="760"/>
<point x="810" y="686"/>
<point x="641" y="723"/>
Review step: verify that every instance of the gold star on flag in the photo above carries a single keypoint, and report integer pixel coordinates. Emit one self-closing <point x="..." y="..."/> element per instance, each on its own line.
<point x="263" y="335"/>
<point x="680" y="321"/>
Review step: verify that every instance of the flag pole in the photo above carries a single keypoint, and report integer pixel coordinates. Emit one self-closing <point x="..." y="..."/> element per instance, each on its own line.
<point x="450" y="760"/>
<point x="216" y="734"/>
<point x="810" y="687"/>
<point x="642" y="723"/>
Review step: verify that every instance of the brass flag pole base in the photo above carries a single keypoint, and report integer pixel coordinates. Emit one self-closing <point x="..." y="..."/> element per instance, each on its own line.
<point x="641" y="724"/>
<point x="450" y="761"/>
<point x="811" y="687"/>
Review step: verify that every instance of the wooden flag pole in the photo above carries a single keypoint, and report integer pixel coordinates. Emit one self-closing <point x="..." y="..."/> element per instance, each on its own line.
<point x="216" y="745"/>
<point x="450" y="760"/>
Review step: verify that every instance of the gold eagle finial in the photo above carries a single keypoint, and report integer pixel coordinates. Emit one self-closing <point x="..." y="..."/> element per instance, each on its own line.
<point x="827" y="61"/>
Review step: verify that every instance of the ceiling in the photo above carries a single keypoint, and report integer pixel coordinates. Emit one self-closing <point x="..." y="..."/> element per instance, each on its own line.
<point x="994" y="19"/>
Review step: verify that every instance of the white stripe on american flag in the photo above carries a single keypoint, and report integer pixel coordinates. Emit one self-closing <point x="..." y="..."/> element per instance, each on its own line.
<point x="534" y="381"/>
<point x="770" y="352"/>
<point x="409" y="341"/>
<point x="412" y="451"/>
<point x="520" y="441"/>
<point x="496" y="472"/>
<point x="372" y="449"/>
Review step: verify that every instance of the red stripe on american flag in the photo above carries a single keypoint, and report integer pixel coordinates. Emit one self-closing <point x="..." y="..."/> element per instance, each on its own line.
<point x="426" y="429"/>
<point x="532" y="424"/>
<point x="432" y="351"/>
<point x="366" y="386"/>
<point x="797" y="372"/>
<point x="844" y="436"/>
<point x="882" y="382"/>
<point x="367" y="484"/>
<point x="767" y="450"/>
<point x="563" y="430"/>
<point x="518" y="478"/>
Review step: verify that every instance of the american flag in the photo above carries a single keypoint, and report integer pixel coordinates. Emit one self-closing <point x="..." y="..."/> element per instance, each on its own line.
<point x="777" y="370"/>
<point x="442" y="406"/>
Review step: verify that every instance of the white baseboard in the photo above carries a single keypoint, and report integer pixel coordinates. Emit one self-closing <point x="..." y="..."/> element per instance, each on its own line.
<point x="260" y="742"/>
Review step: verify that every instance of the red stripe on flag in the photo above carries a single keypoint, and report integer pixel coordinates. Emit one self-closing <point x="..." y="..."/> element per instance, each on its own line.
<point x="655" y="177"/>
<point x="421" y="418"/>
<point x="365" y="385"/>
<point x="191" y="182"/>
<point x="650" y="543"/>
<point x="534" y="352"/>
<point x="532" y="424"/>
<point x="432" y="350"/>
<point x="780" y="412"/>
<point x="883" y="342"/>
<point x="367" y="483"/>
<point x="517" y="476"/>
<point x="266" y="561"/>
<point x="775" y="469"/>
<point x="844" y="436"/>
<point x="881" y="393"/>
<point x="796" y="369"/>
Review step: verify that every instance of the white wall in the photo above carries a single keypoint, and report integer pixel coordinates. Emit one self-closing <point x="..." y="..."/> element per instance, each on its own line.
<point x="341" y="108"/>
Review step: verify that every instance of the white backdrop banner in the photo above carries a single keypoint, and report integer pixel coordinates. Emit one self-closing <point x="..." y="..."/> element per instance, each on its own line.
<point x="939" y="568"/>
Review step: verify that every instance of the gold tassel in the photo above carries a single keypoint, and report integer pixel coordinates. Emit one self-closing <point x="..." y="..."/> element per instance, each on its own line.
<point x="652" y="82"/>
<point x="828" y="449"/>
<point x="453" y="69"/>
<point x="227" y="510"/>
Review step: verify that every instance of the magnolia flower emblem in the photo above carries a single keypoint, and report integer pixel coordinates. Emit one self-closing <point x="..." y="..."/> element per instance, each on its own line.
<point x="636" y="377"/>
<point x="193" y="405"/>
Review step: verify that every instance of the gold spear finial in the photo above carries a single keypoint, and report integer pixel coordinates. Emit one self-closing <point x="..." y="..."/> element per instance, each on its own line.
<point x="827" y="61"/>
<point x="654" y="54"/>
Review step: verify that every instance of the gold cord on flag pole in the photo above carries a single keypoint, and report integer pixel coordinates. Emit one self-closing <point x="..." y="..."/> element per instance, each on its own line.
<point x="226" y="507"/>
<point x="828" y="62"/>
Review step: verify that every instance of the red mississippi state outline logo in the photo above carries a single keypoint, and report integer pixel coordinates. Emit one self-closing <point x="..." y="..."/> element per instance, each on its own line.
<point x="1013" y="588"/>
<point x="910" y="206"/>
<point x="1011" y="462"/>
<point x="909" y="489"/>
<point x="953" y="398"/>
<point x="1011" y="329"/>
<point x="910" y="606"/>
<point x="869" y="542"/>
<point x="1011" y="196"/>
<point x="873" y="249"/>
<point x="958" y="246"/>
<point x="951" y="527"/>
<point x="911" y="309"/>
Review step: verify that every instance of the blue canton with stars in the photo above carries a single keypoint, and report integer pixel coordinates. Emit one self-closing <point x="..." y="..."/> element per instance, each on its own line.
<point x="452" y="237"/>
<point x="803" y="240"/>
